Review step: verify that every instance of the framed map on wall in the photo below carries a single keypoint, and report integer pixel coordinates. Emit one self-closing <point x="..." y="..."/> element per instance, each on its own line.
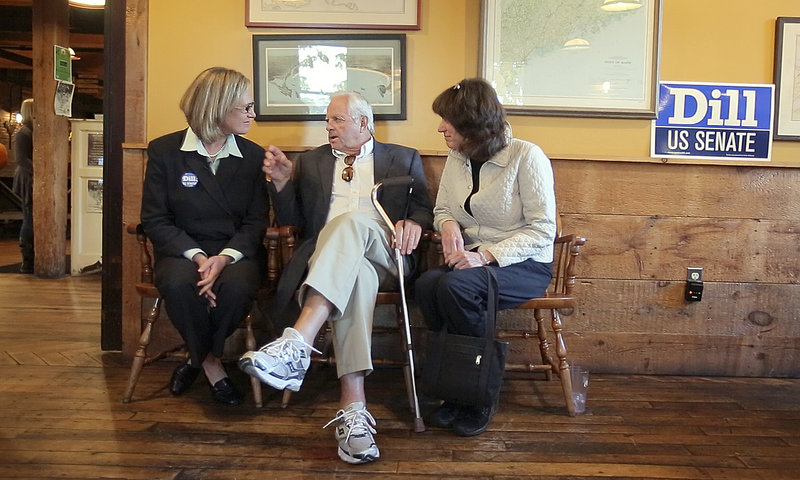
<point x="294" y="75"/>
<point x="589" y="58"/>
<point x="370" y="14"/>
<point x="787" y="78"/>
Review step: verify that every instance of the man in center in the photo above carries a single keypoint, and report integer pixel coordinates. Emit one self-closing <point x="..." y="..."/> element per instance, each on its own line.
<point x="344" y="254"/>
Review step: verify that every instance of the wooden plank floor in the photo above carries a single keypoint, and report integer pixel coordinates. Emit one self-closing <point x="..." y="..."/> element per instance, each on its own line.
<point x="61" y="417"/>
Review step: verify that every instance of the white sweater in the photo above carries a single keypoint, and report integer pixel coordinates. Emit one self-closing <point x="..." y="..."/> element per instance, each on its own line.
<point x="513" y="212"/>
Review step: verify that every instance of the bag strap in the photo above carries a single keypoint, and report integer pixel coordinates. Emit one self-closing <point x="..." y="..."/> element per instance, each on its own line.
<point x="492" y="303"/>
<point x="488" y="366"/>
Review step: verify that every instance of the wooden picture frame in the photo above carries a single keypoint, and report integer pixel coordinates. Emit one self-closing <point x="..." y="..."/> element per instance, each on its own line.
<point x="361" y="14"/>
<point x="551" y="57"/>
<point x="294" y="75"/>
<point x="787" y="79"/>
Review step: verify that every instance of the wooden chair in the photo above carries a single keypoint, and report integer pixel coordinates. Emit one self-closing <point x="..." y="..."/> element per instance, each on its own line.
<point x="559" y="295"/>
<point x="147" y="289"/>
<point x="287" y="241"/>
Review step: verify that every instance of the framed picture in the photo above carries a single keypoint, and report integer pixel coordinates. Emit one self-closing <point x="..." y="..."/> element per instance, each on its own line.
<point x="295" y="74"/>
<point x="787" y="79"/>
<point x="384" y="14"/>
<point x="587" y="58"/>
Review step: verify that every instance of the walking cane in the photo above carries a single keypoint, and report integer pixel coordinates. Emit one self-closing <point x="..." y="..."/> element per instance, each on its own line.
<point x="419" y="424"/>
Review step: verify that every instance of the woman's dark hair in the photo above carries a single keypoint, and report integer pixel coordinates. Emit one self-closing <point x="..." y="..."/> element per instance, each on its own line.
<point x="472" y="108"/>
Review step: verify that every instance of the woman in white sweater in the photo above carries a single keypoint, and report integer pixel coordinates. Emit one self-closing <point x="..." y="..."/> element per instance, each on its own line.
<point x="495" y="209"/>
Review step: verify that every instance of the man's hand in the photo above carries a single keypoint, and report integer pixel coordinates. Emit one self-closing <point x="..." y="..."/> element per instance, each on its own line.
<point x="407" y="235"/>
<point x="277" y="167"/>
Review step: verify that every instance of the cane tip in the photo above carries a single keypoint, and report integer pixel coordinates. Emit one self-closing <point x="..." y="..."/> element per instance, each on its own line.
<point x="419" y="425"/>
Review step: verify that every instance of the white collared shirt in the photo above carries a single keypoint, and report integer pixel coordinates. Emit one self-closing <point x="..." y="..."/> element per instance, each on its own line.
<point x="354" y="196"/>
<point x="192" y="143"/>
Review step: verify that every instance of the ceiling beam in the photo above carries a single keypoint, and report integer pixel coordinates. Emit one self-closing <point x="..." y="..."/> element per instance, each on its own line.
<point x="76" y="40"/>
<point x="15" y="57"/>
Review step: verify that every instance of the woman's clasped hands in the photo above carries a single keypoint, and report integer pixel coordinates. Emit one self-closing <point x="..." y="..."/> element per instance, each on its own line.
<point x="455" y="256"/>
<point x="209" y="269"/>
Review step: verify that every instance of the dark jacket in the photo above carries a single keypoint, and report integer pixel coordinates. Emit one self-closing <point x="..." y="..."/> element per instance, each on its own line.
<point x="23" y="155"/>
<point x="185" y="206"/>
<point x="305" y="201"/>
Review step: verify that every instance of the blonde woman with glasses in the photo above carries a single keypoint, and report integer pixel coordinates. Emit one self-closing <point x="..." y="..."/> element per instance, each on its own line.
<point x="204" y="207"/>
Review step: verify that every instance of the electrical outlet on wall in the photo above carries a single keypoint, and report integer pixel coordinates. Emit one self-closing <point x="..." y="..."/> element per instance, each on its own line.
<point x="694" y="284"/>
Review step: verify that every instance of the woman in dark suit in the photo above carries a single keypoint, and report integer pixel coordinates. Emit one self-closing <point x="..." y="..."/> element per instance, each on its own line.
<point x="204" y="207"/>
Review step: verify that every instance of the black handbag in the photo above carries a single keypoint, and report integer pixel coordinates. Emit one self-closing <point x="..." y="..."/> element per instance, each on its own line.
<point x="466" y="370"/>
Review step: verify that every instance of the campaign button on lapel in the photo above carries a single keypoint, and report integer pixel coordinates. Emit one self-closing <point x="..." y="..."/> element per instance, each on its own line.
<point x="189" y="179"/>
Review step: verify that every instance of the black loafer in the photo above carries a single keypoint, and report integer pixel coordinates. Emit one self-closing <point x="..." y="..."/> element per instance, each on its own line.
<point x="224" y="392"/>
<point x="182" y="378"/>
<point x="473" y="420"/>
<point x="445" y="415"/>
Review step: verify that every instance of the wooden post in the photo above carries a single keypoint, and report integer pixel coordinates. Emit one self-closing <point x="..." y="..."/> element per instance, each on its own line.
<point x="133" y="168"/>
<point x="113" y="136"/>
<point x="50" y="142"/>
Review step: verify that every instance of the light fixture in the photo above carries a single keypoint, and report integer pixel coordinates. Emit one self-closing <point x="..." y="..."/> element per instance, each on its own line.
<point x="576" y="44"/>
<point x="621" y="5"/>
<point x="94" y="4"/>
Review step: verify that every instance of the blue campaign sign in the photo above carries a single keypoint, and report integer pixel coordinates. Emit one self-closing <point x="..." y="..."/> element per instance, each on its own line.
<point x="713" y="121"/>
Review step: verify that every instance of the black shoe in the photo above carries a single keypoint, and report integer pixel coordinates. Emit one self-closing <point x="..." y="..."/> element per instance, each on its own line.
<point x="445" y="415"/>
<point x="182" y="378"/>
<point x="473" y="420"/>
<point x="26" y="267"/>
<point x="224" y="392"/>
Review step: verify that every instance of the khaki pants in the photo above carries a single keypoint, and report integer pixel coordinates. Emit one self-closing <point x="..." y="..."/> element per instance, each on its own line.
<point x="352" y="259"/>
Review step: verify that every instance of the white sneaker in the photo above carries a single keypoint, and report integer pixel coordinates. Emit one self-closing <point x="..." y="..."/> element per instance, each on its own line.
<point x="281" y="363"/>
<point x="354" y="434"/>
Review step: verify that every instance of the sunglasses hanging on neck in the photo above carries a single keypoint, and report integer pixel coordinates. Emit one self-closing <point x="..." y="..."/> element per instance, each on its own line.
<point x="348" y="172"/>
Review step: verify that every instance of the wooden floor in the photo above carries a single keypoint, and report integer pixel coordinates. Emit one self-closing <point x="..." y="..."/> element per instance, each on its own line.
<point x="61" y="417"/>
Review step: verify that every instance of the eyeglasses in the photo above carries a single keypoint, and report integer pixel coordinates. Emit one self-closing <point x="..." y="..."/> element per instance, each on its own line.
<point x="249" y="108"/>
<point x="348" y="172"/>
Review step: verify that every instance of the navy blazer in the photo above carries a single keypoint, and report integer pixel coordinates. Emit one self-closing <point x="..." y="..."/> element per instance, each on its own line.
<point x="305" y="201"/>
<point x="186" y="206"/>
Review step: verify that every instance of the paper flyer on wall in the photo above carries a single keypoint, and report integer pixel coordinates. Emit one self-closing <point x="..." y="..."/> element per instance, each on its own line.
<point x="63" y="100"/>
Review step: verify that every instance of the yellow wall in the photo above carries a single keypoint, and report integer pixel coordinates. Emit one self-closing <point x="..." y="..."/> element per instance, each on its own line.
<point x="725" y="41"/>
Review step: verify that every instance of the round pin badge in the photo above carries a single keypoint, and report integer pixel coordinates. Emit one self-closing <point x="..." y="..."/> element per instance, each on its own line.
<point x="189" y="179"/>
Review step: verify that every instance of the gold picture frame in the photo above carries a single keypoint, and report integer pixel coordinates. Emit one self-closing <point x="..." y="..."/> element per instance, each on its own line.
<point x="361" y="14"/>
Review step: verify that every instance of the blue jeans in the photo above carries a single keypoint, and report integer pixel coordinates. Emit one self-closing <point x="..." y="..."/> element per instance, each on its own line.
<point x="457" y="298"/>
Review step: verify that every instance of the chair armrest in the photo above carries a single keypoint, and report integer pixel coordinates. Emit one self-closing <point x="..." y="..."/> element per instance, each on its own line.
<point x="566" y="249"/>
<point x="280" y="243"/>
<point x="145" y="258"/>
<point x="433" y="255"/>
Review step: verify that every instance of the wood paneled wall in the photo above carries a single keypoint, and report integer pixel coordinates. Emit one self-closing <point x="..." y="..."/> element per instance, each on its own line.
<point x="645" y="224"/>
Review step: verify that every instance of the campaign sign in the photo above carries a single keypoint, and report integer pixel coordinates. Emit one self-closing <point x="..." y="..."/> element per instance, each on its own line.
<point x="713" y="121"/>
